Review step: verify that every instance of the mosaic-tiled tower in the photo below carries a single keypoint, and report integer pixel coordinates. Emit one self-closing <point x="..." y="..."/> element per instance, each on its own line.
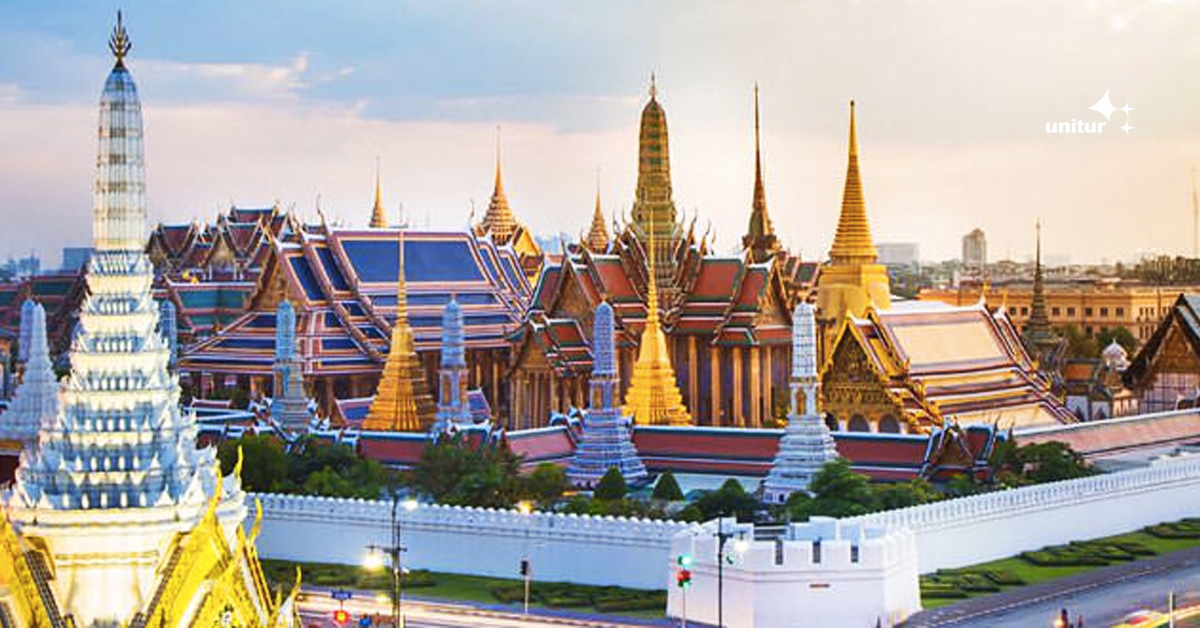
<point x="289" y="404"/>
<point x="120" y="453"/>
<point x="606" y="439"/>
<point x="806" y="444"/>
<point x="453" y="410"/>
<point x="35" y="406"/>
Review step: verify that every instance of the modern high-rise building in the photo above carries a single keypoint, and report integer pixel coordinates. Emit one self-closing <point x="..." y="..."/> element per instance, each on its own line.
<point x="898" y="253"/>
<point x="974" y="249"/>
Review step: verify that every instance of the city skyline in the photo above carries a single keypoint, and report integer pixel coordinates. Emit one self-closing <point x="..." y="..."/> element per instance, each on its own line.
<point x="949" y="142"/>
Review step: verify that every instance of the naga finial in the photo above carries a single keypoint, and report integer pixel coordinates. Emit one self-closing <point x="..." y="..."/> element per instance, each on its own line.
<point x="119" y="42"/>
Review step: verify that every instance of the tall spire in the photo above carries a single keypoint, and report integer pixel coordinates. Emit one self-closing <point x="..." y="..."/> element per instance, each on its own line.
<point x="653" y="397"/>
<point x="1039" y="335"/>
<point x="378" y="213"/>
<point x="597" y="237"/>
<point x="119" y="42"/>
<point x="760" y="240"/>
<point x="852" y="244"/>
<point x="402" y="400"/>
<point x="653" y="208"/>
<point x="499" y="220"/>
<point x="853" y="280"/>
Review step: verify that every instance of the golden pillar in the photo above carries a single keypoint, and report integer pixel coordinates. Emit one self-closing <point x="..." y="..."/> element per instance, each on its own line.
<point x="715" y="374"/>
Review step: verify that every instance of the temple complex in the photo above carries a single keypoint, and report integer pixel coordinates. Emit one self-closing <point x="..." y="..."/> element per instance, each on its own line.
<point x="724" y="320"/>
<point x="116" y="518"/>
<point x="402" y="401"/>
<point x="806" y="445"/>
<point x="604" y="441"/>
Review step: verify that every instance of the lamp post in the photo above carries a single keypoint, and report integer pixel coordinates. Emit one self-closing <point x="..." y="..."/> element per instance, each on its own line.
<point x="394" y="551"/>
<point x="526" y="508"/>
<point x="739" y="546"/>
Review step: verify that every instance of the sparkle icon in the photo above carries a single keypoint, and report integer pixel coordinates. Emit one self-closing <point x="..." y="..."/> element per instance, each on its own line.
<point x="1105" y="107"/>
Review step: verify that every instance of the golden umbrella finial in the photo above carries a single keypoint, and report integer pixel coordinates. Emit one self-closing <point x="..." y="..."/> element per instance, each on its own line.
<point x="119" y="42"/>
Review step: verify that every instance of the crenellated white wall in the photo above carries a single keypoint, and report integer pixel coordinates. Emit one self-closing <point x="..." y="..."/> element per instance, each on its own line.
<point x="970" y="530"/>
<point x="817" y="574"/>
<point x="575" y="548"/>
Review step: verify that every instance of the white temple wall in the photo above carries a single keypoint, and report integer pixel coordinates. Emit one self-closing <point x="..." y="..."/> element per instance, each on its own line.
<point x="971" y="530"/>
<point x="581" y="549"/>
<point x="823" y="573"/>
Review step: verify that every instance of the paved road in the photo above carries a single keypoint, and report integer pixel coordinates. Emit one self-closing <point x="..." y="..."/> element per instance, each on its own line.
<point x="1102" y="596"/>
<point x="316" y="610"/>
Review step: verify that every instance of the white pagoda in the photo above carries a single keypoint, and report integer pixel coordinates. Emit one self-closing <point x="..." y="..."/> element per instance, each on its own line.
<point x="453" y="412"/>
<point x="115" y="517"/>
<point x="35" y="405"/>
<point x="806" y="444"/>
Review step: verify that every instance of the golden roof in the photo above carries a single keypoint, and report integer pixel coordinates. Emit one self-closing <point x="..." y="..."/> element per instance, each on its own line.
<point x="597" y="237"/>
<point x="402" y="401"/>
<point x="378" y="215"/>
<point x="653" y="397"/>
<point x="852" y="244"/>
<point x="499" y="220"/>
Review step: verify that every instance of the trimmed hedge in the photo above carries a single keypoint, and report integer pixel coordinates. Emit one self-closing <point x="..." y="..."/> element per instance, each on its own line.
<point x="1186" y="529"/>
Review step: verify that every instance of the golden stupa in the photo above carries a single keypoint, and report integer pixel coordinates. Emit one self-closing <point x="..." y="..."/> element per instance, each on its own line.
<point x="378" y="214"/>
<point x="853" y="279"/>
<point x="402" y="400"/>
<point x="653" y="397"/>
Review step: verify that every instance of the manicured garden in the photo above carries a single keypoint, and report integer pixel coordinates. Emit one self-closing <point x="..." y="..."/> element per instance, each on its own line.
<point x="475" y="589"/>
<point x="952" y="585"/>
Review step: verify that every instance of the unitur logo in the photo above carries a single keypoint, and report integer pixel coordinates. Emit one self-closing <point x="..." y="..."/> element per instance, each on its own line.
<point x="1104" y="107"/>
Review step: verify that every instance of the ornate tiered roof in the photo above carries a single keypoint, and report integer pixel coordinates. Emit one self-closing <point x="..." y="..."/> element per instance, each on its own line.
<point x="936" y="362"/>
<point x="344" y="287"/>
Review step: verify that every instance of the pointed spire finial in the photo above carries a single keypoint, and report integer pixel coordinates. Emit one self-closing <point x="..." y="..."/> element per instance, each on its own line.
<point x="378" y="213"/>
<point x="119" y="42"/>
<point x="853" y="131"/>
<point x="499" y="185"/>
<point x="653" y="87"/>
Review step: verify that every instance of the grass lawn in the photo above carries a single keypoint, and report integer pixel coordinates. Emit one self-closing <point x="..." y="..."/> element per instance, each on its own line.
<point x="449" y="587"/>
<point x="1030" y="573"/>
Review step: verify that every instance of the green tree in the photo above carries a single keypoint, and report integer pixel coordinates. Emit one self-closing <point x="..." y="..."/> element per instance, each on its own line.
<point x="546" y="484"/>
<point x="329" y="483"/>
<point x="667" y="489"/>
<point x="729" y="500"/>
<point x="611" y="486"/>
<point x="452" y="472"/>
<point x="1079" y="344"/>
<point x="837" y="491"/>
<point x="264" y="463"/>
<point x="1050" y="462"/>
<point x="891" y="496"/>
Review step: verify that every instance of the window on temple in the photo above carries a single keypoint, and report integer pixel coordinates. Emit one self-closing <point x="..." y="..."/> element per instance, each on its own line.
<point x="859" y="424"/>
<point x="889" y="424"/>
<point x="832" y="423"/>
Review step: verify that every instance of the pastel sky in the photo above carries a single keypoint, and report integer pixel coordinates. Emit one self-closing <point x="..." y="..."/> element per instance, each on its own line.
<point x="288" y="101"/>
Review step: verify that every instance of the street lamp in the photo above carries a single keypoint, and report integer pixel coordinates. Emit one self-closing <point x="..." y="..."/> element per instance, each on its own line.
<point x="526" y="508"/>
<point x="739" y="546"/>
<point x="375" y="554"/>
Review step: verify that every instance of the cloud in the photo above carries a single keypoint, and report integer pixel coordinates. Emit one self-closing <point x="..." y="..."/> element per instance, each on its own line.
<point x="248" y="82"/>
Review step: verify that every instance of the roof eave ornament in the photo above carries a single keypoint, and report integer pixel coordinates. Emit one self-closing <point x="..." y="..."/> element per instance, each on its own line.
<point x="119" y="42"/>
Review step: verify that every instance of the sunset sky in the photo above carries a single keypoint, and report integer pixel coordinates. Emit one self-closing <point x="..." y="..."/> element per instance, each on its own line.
<point x="256" y="102"/>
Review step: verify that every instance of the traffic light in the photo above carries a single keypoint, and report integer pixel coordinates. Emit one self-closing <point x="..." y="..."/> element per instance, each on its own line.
<point x="340" y="617"/>
<point x="524" y="566"/>
<point x="683" y="578"/>
<point x="684" y="560"/>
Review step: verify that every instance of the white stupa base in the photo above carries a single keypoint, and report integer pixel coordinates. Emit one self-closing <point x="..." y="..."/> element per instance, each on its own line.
<point x="105" y="561"/>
